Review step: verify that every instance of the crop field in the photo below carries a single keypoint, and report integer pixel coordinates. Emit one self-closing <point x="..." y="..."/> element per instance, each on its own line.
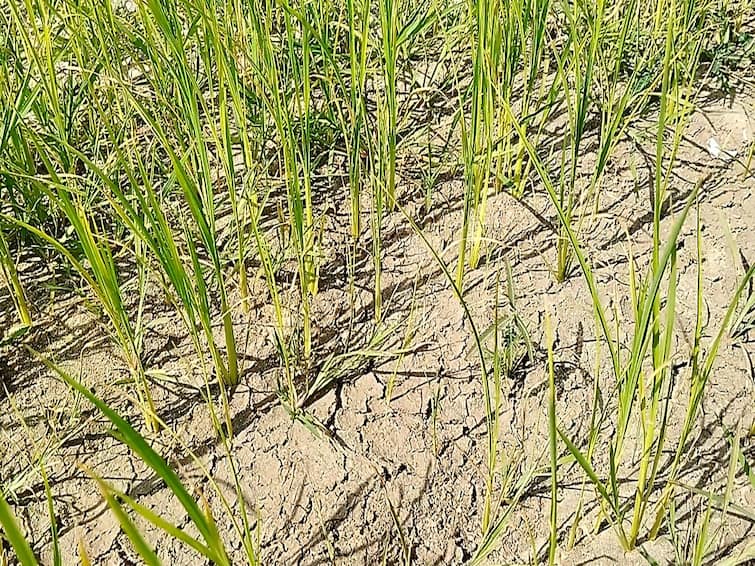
<point x="312" y="282"/>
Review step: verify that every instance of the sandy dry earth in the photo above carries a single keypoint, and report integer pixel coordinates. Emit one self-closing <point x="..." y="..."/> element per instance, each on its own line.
<point x="321" y="497"/>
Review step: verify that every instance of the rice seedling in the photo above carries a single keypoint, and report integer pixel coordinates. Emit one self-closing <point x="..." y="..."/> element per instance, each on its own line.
<point x="477" y="139"/>
<point x="743" y="462"/>
<point x="698" y="546"/>
<point x="507" y="41"/>
<point x="14" y="535"/>
<point x="398" y="28"/>
<point x="358" y="17"/>
<point x="141" y="206"/>
<point x="578" y="70"/>
<point x="141" y="210"/>
<point x="293" y="124"/>
<point x="9" y="529"/>
<point x="56" y="554"/>
<point x="630" y="379"/>
<point x="742" y="557"/>
<point x="526" y="33"/>
<point x="39" y="467"/>
<point x="409" y="335"/>
<point x="101" y="274"/>
<point x="8" y="123"/>
<point x="406" y="545"/>
<point x="702" y="365"/>
<point x="196" y="183"/>
<point x="515" y="473"/>
<point x="518" y="480"/>
<point x="553" y="448"/>
<point x="103" y="277"/>
<point x="387" y="103"/>
<point x="10" y="273"/>
<point x="744" y="321"/>
<point x="382" y="152"/>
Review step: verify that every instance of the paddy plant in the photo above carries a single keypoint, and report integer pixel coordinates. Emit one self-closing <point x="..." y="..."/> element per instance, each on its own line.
<point x="508" y="41"/>
<point x="477" y="138"/>
<point x="383" y="148"/>
<point x="499" y="349"/>
<point x="191" y="159"/>
<point x="186" y="252"/>
<point x="598" y="78"/>
<point x="387" y="103"/>
<point x="632" y="385"/>
<point x="14" y="535"/>
<point x="575" y="75"/>
<point x="527" y="28"/>
<point x="400" y="25"/>
<point x="358" y="18"/>
<point x="10" y="274"/>
<point x="102" y="277"/>
<point x="49" y="169"/>
<point x="289" y="111"/>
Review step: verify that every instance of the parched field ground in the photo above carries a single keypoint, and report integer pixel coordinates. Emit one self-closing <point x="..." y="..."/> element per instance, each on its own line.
<point x="394" y="468"/>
